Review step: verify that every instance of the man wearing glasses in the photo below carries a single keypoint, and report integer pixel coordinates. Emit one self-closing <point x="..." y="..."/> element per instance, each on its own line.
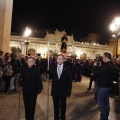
<point x="61" y="87"/>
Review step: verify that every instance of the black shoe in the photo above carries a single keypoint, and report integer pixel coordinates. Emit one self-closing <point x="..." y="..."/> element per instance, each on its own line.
<point x="88" y="89"/>
<point x="13" y="90"/>
<point x="6" y="92"/>
<point x="61" y="118"/>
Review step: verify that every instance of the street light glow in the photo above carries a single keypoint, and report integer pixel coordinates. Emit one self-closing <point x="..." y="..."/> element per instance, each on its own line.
<point x="112" y="27"/>
<point x="27" y="32"/>
<point x="117" y="20"/>
<point x="113" y="35"/>
<point x="115" y="28"/>
<point x="80" y="52"/>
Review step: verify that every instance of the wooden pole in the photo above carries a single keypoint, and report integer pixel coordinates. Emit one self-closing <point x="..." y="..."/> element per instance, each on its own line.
<point x="48" y="85"/>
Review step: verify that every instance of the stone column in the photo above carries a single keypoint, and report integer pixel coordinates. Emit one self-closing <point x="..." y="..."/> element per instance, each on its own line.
<point x="5" y="24"/>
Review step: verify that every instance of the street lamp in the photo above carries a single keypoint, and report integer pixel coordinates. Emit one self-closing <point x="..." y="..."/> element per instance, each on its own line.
<point x="115" y="28"/>
<point x="21" y="44"/>
<point x="27" y="34"/>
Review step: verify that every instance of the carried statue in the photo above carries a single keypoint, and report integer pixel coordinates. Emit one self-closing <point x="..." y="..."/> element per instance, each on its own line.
<point x="64" y="41"/>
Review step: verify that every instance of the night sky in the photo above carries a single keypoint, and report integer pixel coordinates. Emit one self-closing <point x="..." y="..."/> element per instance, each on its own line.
<point x="79" y="17"/>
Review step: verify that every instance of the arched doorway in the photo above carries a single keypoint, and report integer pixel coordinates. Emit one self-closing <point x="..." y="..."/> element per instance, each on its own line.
<point x="50" y="54"/>
<point x="31" y="51"/>
<point x="83" y="56"/>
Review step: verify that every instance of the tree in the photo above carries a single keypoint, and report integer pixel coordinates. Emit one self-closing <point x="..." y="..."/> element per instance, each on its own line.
<point x="74" y="55"/>
<point x="15" y="50"/>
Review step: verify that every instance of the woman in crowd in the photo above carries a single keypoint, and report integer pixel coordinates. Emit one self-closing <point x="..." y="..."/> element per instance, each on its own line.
<point x="6" y="54"/>
<point x="78" y="71"/>
<point x="1" y="80"/>
<point x="8" y="72"/>
<point x="16" y="68"/>
<point x="22" y="60"/>
<point x="73" y="70"/>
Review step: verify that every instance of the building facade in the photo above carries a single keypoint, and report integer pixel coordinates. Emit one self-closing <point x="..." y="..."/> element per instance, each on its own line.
<point x="112" y="42"/>
<point x="40" y="45"/>
<point x="92" y="38"/>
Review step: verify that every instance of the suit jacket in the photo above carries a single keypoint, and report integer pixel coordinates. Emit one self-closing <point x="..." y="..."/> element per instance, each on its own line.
<point x="31" y="79"/>
<point x="61" y="87"/>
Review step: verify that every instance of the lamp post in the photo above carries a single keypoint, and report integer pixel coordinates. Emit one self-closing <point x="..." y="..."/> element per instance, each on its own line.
<point x="21" y="44"/>
<point x="27" y="34"/>
<point x="115" y="28"/>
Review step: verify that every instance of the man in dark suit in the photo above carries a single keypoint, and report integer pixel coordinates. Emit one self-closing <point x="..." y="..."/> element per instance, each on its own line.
<point x="61" y="87"/>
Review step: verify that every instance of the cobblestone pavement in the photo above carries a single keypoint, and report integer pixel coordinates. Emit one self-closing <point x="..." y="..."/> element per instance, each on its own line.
<point x="80" y="106"/>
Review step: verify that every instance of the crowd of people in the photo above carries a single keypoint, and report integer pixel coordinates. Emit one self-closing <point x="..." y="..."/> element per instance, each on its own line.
<point x="19" y="70"/>
<point x="10" y="68"/>
<point x="11" y="64"/>
<point x="116" y="85"/>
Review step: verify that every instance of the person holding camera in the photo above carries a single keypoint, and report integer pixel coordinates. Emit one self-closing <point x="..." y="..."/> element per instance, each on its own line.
<point x="105" y="75"/>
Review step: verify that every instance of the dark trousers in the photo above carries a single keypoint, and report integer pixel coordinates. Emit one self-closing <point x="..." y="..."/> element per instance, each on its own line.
<point x="7" y="83"/>
<point x="103" y="102"/>
<point x="96" y="91"/>
<point x="90" y="84"/>
<point x="79" y="76"/>
<point x="29" y="99"/>
<point x="17" y="77"/>
<point x="59" y="107"/>
<point x="2" y="85"/>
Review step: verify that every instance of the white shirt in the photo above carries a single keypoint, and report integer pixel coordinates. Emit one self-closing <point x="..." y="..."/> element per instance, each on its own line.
<point x="59" y="69"/>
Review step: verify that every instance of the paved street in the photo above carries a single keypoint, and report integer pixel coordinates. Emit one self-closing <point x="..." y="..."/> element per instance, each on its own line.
<point x="80" y="106"/>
